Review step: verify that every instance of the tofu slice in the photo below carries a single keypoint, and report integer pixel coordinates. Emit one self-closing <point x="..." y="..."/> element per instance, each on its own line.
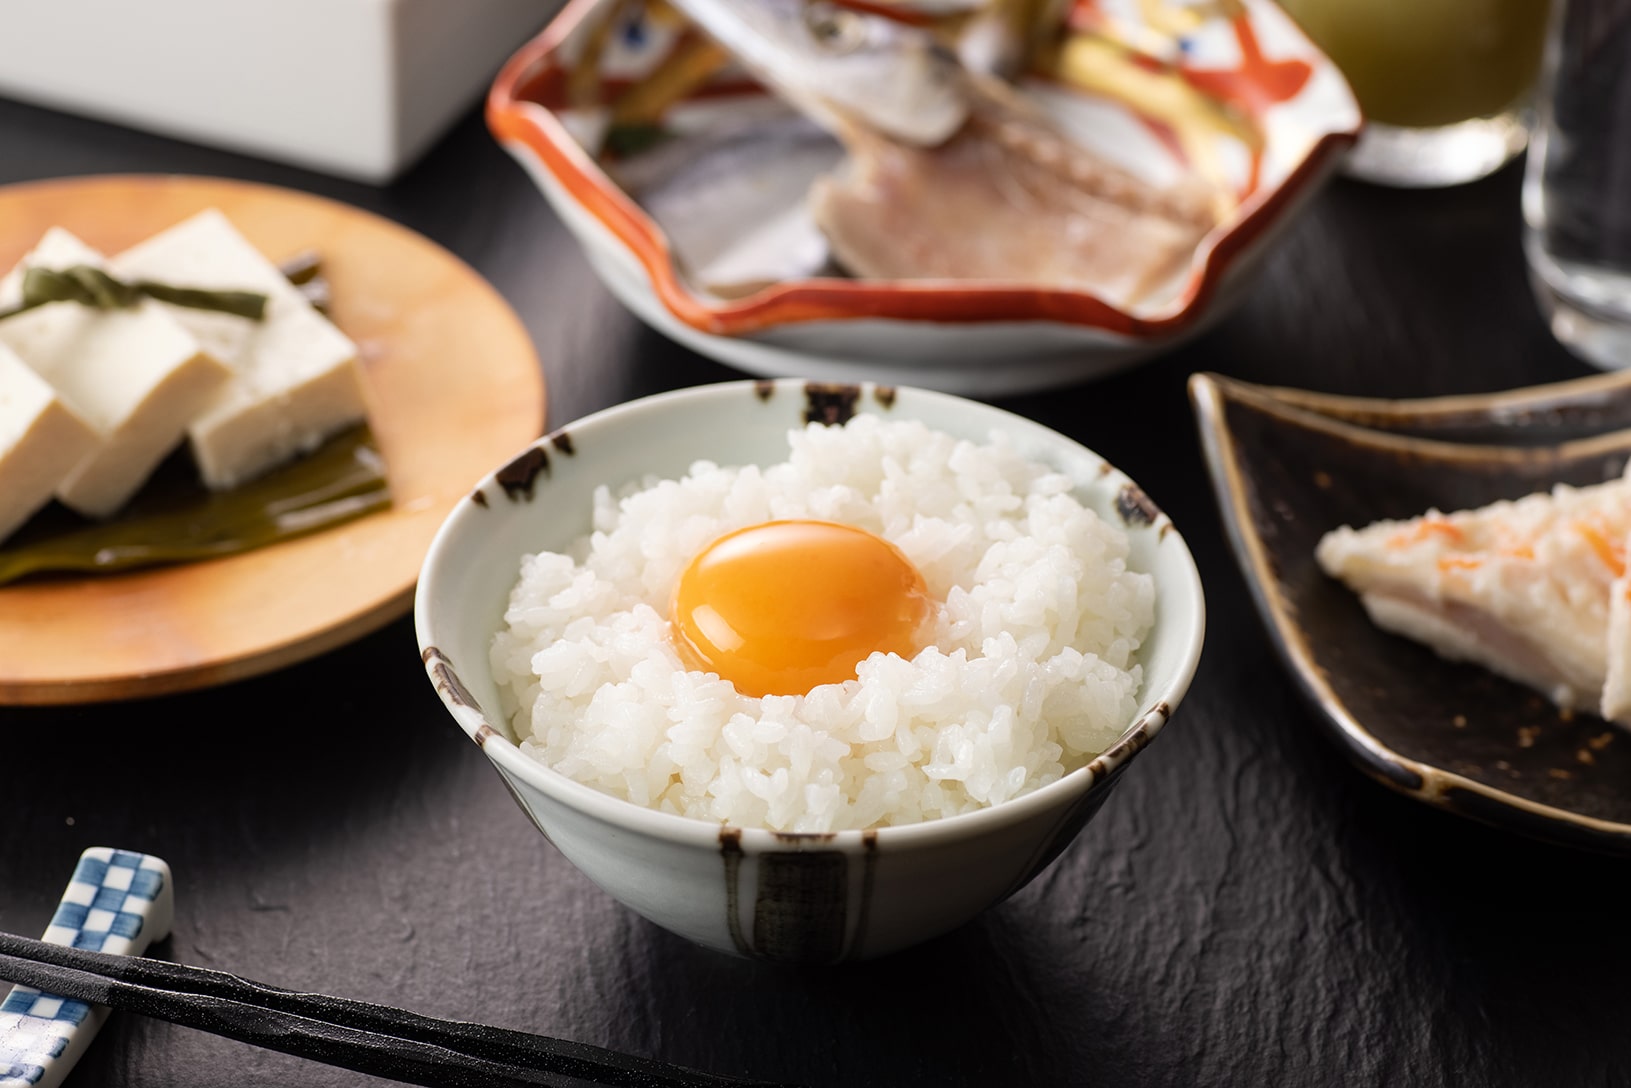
<point x="136" y="376"/>
<point x="41" y="440"/>
<point x="296" y="379"/>
<point x="1527" y="589"/>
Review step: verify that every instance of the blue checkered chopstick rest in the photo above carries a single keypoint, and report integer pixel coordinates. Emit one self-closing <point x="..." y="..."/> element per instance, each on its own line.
<point x="118" y="902"/>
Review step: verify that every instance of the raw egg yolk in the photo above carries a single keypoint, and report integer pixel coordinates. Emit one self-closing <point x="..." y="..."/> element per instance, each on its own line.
<point x="782" y="607"/>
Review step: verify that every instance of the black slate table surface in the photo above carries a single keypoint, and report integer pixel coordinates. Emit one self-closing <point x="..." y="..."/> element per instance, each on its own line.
<point x="1246" y="910"/>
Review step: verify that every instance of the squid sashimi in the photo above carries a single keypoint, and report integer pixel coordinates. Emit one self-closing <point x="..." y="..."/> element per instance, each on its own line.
<point x="1533" y="589"/>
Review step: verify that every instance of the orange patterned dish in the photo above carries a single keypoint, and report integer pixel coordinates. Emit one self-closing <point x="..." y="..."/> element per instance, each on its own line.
<point x="689" y="187"/>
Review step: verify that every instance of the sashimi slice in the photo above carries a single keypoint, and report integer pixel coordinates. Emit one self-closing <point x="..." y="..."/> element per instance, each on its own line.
<point x="1008" y="199"/>
<point x="1525" y="588"/>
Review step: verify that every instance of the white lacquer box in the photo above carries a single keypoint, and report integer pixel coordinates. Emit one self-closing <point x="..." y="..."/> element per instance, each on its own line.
<point x="357" y="88"/>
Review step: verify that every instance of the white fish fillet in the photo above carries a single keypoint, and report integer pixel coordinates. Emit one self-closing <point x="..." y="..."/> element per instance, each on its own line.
<point x="731" y="201"/>
<point x="1535" y="590"/>
<point x="949" y="175"/>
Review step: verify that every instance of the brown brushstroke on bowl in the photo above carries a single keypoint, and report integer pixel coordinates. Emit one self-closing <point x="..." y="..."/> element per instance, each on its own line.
<point x="444" y="677"/>
<point x="830" y="403"/>
<point x="519" y="476"/>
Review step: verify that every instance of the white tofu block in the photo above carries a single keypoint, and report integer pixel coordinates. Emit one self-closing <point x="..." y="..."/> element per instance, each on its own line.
<point x="136" y="376"/>
<point x="296" y="379"/>
<point x="41" y="440"/>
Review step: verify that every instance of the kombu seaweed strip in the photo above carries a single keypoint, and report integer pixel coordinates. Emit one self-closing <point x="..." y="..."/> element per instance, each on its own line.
<point x="175" y="518"/>
<point x="95" y="288"/>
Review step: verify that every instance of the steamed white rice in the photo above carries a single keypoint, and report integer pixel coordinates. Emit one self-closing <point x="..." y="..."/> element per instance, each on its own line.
<point x="1029" y="672"/>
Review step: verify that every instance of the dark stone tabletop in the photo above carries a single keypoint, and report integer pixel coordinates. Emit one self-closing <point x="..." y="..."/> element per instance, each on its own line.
<point x="1247" y="909"/>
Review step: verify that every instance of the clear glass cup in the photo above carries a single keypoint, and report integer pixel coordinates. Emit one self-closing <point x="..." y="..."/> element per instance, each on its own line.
<point x="1577" y="182"/>
<point x="1441" y="82"/>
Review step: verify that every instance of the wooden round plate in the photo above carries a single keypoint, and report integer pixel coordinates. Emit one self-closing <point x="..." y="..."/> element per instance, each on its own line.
<point x="454" y="389"/>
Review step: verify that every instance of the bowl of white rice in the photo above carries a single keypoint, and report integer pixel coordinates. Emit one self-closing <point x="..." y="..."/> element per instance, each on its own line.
<point x="997" y="621"/>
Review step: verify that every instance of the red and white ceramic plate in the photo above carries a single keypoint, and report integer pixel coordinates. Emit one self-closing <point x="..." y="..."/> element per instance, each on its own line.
<point x="1229" y="90"/>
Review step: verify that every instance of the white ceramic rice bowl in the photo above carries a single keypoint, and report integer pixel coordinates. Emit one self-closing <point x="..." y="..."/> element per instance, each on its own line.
<point x="749" y="891"/>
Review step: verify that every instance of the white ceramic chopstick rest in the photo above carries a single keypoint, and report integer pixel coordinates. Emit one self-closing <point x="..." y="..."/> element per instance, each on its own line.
<point x="119" y="902"/>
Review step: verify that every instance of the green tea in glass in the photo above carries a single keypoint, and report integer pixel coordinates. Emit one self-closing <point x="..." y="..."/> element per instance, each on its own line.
<point x="1441" y="82"/>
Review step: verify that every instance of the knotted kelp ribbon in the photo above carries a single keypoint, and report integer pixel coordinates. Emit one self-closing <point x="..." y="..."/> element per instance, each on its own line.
<point x="175" y="519"/>
<point x="93" y="287"/>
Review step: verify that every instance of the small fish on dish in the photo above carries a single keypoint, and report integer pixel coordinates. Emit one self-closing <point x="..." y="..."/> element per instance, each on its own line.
<point x="861" y="189"/>
<point x="942" y="173"/>
<point x="948" y="175"/>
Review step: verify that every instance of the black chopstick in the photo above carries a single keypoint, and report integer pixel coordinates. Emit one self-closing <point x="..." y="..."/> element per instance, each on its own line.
<point x="374" y="1039"/>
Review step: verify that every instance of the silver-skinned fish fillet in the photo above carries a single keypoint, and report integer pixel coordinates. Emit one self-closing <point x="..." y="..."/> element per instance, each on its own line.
<point x="952" y="175"/>
<point x="835" y="63"/>
<point x="1009" y="198"/>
